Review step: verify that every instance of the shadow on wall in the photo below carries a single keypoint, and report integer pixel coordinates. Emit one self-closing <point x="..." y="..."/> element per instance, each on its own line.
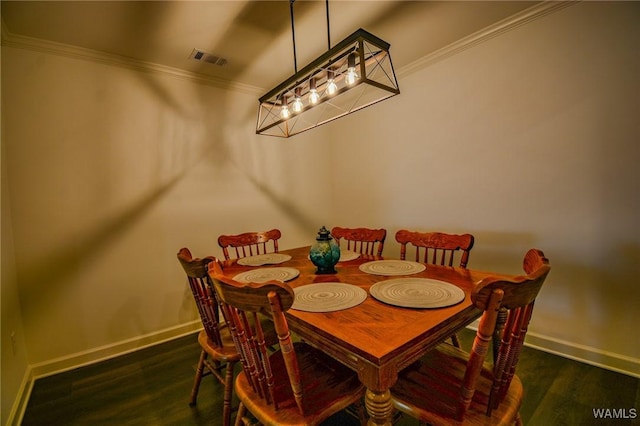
<point x="55" y="267"/>
<point x="286" y="206"/>
<point x="198" y="109"/>
<point x="130" y="319"/>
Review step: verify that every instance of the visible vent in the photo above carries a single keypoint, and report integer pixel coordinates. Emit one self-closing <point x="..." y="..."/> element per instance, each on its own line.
<point x="199" y="55"/>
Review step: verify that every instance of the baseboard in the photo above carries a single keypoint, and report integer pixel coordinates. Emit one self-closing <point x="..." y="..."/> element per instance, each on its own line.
<point x="102" y="353"/>
<point x="581" y="353"/>
<point x="20" y="403"/>
<point x="92" y="356"/>
<point x="586" y="354"/>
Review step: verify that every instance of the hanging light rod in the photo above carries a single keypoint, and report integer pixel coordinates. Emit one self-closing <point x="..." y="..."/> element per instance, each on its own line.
<point x="355" y="73"/>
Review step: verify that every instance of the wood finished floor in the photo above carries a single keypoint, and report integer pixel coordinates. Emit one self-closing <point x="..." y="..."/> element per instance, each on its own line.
<point x="152" y="386"/>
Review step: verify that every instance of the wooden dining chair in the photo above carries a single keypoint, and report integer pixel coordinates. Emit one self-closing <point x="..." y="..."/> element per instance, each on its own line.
<point x="437" y="248"/>
<point x="450" y="386"/>
<point x="219" y="354"/>
<point x="361" y="240"/>
<point x="250" y="243"/>
<point x="296" y="384"/>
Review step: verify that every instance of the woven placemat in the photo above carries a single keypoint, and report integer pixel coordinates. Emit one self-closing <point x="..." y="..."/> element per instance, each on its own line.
<point x="264" y="259"/>
<point x="327" y="297"/>
<point x="261" y="275"/>
<point x="392" y="267"/>
<point x="417" y="293"/>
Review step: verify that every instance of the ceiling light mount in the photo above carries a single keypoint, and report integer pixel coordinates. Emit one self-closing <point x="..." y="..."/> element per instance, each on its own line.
<point x="355" y="73"/>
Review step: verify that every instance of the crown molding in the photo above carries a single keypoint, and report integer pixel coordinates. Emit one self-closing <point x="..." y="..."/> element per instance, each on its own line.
<point x="45" y="46"/>
<point x="50" y="47"/>
<point x="524" y="17"/>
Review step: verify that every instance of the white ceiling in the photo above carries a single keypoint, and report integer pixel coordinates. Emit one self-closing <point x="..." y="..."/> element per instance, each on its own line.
<point x="254" y="36"/>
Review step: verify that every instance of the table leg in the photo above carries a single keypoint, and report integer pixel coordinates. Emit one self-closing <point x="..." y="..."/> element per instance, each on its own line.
<point x="379" y="407"/>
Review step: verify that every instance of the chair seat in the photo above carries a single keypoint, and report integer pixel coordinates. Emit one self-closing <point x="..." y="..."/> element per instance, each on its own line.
<point x="319" y="372"/>
<point x="430" y="391"/>
<point x="225" y="353"/>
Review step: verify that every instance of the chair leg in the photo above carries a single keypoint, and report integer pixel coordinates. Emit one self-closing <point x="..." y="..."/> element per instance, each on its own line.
<point x="228" y="388"/>
<point x="362" y="413"/>
<point x="198" y="379"/>
<point x="455" y="341"/>
<point x="518" y="420"/>
<point x="358" y="411"/>
<point x="240" y="415"/>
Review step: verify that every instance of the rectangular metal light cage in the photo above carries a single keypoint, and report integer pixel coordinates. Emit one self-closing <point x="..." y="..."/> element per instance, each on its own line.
<point x="375" y="81"/>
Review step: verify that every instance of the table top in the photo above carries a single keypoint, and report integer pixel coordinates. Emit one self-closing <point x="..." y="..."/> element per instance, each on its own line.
<point x="373" y="331"/>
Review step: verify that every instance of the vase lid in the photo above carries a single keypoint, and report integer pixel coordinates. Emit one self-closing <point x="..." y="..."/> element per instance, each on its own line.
<point x="323" y="234"/>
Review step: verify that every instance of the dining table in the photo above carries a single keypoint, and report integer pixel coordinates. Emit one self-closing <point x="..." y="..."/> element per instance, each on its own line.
<point x="376" y="337"/>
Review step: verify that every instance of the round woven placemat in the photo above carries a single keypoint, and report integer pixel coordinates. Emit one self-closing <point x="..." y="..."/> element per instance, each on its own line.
<point x="347" y="255"/>
<point x="327" y="297"/>
<point x="261" y="275"/>
<point x="417" y="293"/>
<point x="264" y="259"/>
<point x="392" y="267"/>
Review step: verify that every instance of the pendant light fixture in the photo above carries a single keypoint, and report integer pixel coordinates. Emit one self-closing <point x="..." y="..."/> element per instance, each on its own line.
<point x="353" y="74"/>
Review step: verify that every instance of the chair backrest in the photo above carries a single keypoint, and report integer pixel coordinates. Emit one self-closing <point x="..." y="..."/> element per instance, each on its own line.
<point x="517" y="297"/>
<point x="240" y="304"/>
<point x="203" y="294"/>
<point x="361" y="240"/>
<point x="436" y="248"/>
<point x="250" y="243"/>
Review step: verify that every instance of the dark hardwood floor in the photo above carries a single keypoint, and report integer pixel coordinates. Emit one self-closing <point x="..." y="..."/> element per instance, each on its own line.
<point x="152" y="387"/>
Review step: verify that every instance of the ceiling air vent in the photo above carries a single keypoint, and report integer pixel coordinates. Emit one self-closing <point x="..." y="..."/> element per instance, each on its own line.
<point x="201" y="56"/>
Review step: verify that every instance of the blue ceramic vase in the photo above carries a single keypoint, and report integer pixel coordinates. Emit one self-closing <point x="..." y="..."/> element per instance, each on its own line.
<point x="325" y="253"/>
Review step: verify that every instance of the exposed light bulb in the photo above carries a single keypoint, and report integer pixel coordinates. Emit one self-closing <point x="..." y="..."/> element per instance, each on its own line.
<point x="352" y="75"/>
<point x="314" y="97"/>
<point x="297" y="103"/>
<point x="332" y="87"/>
<point x="284" y="111"/>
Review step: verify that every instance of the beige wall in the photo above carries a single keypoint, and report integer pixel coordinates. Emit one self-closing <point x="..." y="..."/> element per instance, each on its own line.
<point x="109" y="172"/>
<point x="13" y="347"/>
<point x="526" y="140"/>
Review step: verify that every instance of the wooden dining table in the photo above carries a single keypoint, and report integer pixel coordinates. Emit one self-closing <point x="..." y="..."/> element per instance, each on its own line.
<point x="375" y="339"/>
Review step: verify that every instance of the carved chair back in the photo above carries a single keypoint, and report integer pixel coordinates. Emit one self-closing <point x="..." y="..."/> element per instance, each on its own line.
<point x="361" y="240"/>
<point x="203" y="294"/>
<point x="516" y="297"/>
<point x="249" y="243"/>
<point x="436" y="248"/>
<point x="241" y="304"/>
